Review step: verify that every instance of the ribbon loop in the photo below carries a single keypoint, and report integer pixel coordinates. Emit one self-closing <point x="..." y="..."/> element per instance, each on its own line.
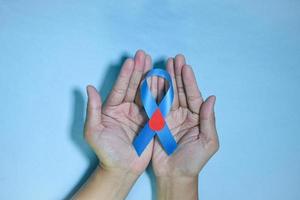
<point x="156" y="114"/>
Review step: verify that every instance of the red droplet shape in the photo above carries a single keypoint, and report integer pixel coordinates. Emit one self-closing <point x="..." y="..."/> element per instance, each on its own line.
<point x="157" y="122"/>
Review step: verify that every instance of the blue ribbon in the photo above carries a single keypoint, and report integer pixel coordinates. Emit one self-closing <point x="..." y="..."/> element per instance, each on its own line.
<point x="146" y="134"/>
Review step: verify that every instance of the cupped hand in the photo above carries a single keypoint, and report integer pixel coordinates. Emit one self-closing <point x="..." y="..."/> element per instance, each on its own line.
<point x="111" y="128"/>
<point x="191" y="121"/>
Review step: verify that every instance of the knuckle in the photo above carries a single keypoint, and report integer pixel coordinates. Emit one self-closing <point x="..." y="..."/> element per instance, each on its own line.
<point x="215" y="145"/>
<point x="119" y="90"/>
<point x="133" y="84"/>
<point x="194" y="98"/>
<point x="88" y="133"/>
<point x="180" y="90"/>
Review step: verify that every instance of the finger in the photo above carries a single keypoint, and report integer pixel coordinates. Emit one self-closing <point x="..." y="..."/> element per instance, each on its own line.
<point x="93" y="107"/>
<point x="154" y="87"/>
<point x="148" y="66"/>
<point x="166" y="86"/>
<point x="207" y="120"/>
<point x="160" y="89"/>
<point x="139" y="63"/>
<point x="193" y="95"/>
<point x="179" y="62"/>
<point x="119" y="90"/>
<point x="170" y="69"/>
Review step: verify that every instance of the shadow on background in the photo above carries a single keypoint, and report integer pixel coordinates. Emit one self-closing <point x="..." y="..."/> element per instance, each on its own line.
<point x="76" y="134"/>
<point x="76" y="129"/>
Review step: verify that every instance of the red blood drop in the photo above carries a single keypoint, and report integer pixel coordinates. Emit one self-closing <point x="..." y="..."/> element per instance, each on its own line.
<point x="157" y="121"/>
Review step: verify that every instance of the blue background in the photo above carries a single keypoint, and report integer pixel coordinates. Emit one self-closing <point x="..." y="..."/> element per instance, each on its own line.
<point x="247" y="53"/>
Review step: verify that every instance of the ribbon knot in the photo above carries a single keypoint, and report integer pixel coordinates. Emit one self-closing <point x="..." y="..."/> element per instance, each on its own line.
<point x="156" y="114"/>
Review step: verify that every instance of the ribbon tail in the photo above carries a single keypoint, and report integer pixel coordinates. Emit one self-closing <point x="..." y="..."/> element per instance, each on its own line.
<point x="167" y="140"/>
<point x="143" y="139"/>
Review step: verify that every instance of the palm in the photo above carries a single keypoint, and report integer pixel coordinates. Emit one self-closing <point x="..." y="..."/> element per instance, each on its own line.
<point x="120" y="125"/>
<point x="184" y="125"/>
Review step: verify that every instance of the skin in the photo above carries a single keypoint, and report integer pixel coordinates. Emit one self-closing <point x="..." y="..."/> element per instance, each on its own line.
<point x="192" y="122"/>
<point x="111" y="128"/>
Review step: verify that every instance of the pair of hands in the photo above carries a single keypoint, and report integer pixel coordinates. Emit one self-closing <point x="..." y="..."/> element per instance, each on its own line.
<point x="111" y="128"/>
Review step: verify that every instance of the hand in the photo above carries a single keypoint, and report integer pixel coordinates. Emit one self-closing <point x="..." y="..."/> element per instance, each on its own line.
<point x="111" y="129"/>
<point x="192" y="123"/>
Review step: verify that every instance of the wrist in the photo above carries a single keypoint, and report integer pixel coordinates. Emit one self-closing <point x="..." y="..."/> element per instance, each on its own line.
<point x="107" y="184"/>
<point x="117" y="176"/>
<point x="116" y="182"/>
<point x="177" y="187"/>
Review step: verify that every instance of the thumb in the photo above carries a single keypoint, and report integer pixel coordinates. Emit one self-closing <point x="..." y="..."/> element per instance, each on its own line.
<point x="93" y="117"/>
<point x="207" y="119"/>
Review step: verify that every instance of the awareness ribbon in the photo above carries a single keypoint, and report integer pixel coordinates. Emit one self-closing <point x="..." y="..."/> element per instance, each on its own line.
<point x="156" y="114"/>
